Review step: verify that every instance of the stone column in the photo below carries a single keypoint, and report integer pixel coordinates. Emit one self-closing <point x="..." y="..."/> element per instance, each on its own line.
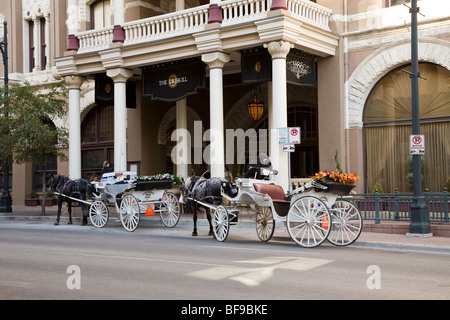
<point x="120" y="77"/>
<point x="182" y="159"/>
<point x="74" y="84"/>
<point x="215" y="62"/>
<point x="279" y="50"/>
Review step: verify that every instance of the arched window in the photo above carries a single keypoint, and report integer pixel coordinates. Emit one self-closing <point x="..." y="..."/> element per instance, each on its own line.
<point x="97" y="139"/>
<point x="387" y="126"/>
<point x="100" y="14"/>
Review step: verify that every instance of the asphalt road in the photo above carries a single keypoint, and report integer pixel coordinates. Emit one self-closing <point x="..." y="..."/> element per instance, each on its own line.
<point x="70" y="262"/>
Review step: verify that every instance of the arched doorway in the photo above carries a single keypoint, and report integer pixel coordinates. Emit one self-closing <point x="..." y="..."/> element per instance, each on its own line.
<point x="97" y="140"/>
<point x="387" y="126"/>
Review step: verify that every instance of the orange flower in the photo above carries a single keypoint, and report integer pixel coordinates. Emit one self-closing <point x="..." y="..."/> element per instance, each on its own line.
<point x="337" y="177"/>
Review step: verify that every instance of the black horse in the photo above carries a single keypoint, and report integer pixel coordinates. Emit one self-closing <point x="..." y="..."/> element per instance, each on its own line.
<point x="203" y="190"/>
<point x="78" y="189"/>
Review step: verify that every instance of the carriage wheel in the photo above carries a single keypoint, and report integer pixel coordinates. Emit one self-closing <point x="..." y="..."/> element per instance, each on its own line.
<point x="265" y="224"/>
<point x="221" y="223"/>
<point x="170" y="210"/>
<point x="129" y="212"/>
<point x="98" y="214"/>
<point x="308" y="221"/>
<point x="346" y="223"/>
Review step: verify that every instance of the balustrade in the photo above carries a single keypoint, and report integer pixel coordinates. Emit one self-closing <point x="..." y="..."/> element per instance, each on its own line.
<point x="194" y="20"/>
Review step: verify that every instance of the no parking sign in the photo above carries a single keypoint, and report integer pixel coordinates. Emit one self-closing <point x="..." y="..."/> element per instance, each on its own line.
<point x="417" y="144"/>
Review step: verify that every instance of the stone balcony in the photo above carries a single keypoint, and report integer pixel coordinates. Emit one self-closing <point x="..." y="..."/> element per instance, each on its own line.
<point x="187" y="33"/>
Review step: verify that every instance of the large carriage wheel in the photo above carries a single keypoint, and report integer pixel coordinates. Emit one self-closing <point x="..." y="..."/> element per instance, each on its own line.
<point x="170" y="210"/>
<point x="265" y="224"/>
<point x="98" y="214"/>
<point x="221" y="223"/>
<point x="346" y="223"/>
<point x="308" y="221"/>
<point x="129" y="212"/>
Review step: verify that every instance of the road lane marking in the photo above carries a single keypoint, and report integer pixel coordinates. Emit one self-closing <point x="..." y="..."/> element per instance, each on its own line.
<point x="145" y="259"/>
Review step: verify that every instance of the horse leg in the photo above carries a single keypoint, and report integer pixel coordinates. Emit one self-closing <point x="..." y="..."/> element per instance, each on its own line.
<point x="84" y="211"/>
<point x="69" y="206"/>
<point x="194" y="208"/>
<point x="59" y="211"/>
<point x="208" y="216"/>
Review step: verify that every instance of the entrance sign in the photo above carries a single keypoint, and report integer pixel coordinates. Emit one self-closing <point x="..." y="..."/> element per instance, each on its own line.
<point x="417" y="144"/>
<point x="172" y="82"/>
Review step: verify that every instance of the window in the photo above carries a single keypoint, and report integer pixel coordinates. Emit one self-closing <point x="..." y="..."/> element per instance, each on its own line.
<point x="387" y="126"/>
<point x="391" y="3"/>
<point x="31" y="46"/>
<point x="101" y="14"/>
<point x="37" y="44"/>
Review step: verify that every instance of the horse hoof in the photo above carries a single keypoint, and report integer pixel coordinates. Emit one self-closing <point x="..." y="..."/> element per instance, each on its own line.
<point x="194" y="234"/>
<point x="210" y="233"/>
<point x="57" y="223"/>
<point x="70" y="222"/>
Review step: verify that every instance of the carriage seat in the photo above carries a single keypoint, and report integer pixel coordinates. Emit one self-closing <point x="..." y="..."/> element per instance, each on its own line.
<point x="276" y="193"/>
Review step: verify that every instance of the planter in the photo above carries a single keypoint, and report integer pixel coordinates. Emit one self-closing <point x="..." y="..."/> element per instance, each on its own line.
<point x="37" y="202"/>
<point x="335" y="187"/>
<point x="50" y="202"/>
<point x="32" y="202"/>
<point x="144" y="185"/>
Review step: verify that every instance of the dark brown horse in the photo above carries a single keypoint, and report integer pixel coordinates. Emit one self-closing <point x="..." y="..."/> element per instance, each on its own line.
<point x="202" y="190"/>
<point x="77" y="189"/>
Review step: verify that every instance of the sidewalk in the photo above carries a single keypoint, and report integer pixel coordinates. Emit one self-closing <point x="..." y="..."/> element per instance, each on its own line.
<point x="386" y="235"/>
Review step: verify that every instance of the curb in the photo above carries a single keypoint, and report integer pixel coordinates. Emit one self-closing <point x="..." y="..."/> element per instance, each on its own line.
<point x="423" y="248"/>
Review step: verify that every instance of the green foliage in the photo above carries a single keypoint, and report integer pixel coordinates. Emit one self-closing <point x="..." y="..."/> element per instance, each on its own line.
<point x="338" y="164"/>
<point x="378" y="187"/>
<point x="410" y="175"/>
<point x="26" y="124"/>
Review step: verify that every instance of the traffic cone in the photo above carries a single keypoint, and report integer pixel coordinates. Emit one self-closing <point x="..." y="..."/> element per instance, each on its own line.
<point x="149" y="212"/>
<point x="325" y="223"/>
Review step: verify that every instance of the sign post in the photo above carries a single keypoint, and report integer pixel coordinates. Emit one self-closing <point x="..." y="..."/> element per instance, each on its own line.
<point x="288" y="138"/>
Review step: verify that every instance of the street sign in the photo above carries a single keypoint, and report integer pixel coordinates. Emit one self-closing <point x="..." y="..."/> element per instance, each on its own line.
<point x="289" y="135"/>
<point x="294" y="135"/>
<point x="289" y="148"/>
<point x="417" y="144"/>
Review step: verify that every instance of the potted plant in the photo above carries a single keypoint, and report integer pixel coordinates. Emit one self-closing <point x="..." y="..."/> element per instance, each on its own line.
<point x="32" y="199"/>
<point x="50" y="199"/>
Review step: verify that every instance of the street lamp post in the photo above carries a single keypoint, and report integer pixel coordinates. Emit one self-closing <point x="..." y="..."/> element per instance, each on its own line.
<point x="5" y="203"/>
<point x="419" y="225"/>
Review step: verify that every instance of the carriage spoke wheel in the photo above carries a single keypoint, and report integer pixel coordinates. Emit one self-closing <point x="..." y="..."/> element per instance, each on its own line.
<point x="265" y="224"/>
<point x="98" y="214"/>
<point x="221" y="223"/>
<point x="346" y="223"/>
<point x="129" y="213"/>
<point x="308" y="221"/>
<point x="170" y="210"/>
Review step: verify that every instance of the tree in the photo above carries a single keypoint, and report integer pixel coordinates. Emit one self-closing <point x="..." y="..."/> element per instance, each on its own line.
<point x="28" y="132"/>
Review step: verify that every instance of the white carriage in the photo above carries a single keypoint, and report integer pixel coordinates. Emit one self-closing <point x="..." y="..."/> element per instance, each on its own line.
<point x="312" y="214"/>
<point x="131" y="197"/>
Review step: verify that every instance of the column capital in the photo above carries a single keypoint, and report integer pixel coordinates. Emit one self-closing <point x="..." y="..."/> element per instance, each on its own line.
<point x="278" y="49"/>
<point x="74" y="82"/>
<point x="216" y="60"/>
<point x="119" y="74"/>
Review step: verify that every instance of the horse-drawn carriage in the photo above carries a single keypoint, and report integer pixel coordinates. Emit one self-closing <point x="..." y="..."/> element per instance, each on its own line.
<point x="312" y="214"/>
<point x="129" y="194"/>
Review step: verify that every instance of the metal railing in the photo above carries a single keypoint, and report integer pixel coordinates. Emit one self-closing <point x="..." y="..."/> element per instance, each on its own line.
<point x="395" y="206"/>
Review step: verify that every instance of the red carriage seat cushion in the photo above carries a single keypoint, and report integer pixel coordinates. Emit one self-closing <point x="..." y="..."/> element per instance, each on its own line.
<point x="275" y="192"/>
